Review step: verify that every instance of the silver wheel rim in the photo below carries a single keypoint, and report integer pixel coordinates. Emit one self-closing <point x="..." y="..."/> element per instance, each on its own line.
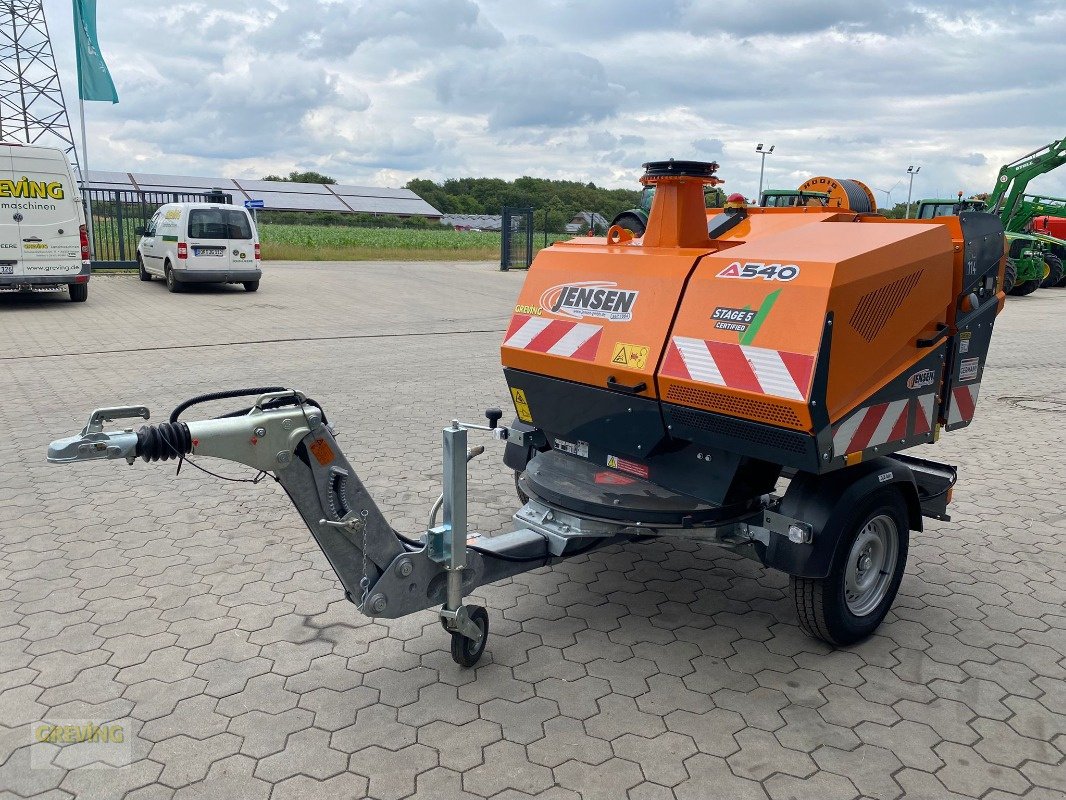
<point x="871" y="565"/>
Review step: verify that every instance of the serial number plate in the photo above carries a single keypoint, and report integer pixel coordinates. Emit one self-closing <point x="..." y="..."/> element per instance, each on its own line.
<point x="7" y="269"/>
<point x="209" y="251"/>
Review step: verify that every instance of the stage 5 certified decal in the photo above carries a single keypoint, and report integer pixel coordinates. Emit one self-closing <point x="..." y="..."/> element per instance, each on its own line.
<point x="600" y="299"/>
<point x="750" y="270"/>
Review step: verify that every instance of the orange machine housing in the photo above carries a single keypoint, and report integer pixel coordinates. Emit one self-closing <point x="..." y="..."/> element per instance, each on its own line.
<point x="767" y="339"/>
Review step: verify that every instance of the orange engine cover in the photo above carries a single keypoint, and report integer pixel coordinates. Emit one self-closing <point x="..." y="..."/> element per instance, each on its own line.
<point x="796" y="335"/>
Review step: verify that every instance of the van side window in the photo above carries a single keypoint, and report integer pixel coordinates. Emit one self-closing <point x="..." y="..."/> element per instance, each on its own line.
<point x="217" y="223"/>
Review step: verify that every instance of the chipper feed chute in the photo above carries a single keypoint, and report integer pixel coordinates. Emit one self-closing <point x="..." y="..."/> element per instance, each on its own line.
<point x="665" y="386"/>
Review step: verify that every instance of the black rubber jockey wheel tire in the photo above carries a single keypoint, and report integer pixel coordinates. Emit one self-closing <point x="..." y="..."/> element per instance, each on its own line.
<point x="142" y="273"/>
<point x="464" y="652"/>
<point x="79" y="292"/>
<point x="251" y="286"/>
<point x="1055" y="274"/>
<point x="822" y="606"/>
<point x="518" y="488"/>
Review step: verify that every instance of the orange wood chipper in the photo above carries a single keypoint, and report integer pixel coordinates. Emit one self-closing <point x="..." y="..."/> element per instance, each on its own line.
<point x="746" y="377"/>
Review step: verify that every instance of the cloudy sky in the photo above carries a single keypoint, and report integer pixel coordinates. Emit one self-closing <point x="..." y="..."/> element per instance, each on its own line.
<point x="380" y="91"/>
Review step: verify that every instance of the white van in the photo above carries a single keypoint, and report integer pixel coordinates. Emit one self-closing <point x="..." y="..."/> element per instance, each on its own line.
<point x="43" y="240"/>
<point x="200" y="243"/>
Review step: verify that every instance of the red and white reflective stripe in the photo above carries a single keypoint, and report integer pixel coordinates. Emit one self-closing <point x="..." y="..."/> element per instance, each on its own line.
<point x="886" y="422"/>
<point x="555" y="337"/>
<point x="963" y="402"/>
<point x="923" y="413"/>
<point x="776" y="373"/>
<point x="871" y="426"/>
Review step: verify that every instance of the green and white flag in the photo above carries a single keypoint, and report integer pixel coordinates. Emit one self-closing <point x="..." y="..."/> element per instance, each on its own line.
<point x="94" y="80"/>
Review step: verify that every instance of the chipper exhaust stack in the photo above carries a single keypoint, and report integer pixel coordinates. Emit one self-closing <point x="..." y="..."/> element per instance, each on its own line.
<point x="667" y="386"/>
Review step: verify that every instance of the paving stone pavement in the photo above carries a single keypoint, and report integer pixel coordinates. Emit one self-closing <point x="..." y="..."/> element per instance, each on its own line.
<point x="200" y="616"/>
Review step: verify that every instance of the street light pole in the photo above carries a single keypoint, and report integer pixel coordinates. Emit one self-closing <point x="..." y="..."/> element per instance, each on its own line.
<point x="912" y="171"/>
<point x="762" y="167"/>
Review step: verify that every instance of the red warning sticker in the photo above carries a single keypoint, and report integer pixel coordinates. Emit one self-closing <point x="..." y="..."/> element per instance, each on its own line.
<point x="632" y="467"/>
<point x="612" y="479"/>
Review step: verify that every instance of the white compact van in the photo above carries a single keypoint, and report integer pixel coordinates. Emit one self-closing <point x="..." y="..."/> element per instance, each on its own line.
<point x="200" y="243"/>
<point x="43" y="240"/>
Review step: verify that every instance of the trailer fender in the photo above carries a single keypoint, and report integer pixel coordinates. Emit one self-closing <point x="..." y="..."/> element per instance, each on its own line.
<point x="825" y="501"/>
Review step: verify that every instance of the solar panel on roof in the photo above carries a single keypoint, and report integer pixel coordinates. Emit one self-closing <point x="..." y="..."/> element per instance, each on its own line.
<point x="290" y="201"/>
<point x="251" y="187"/>
<point x="112" y="179"/>
<point x="371" y="191"/>
<point x="278" y="195"/>
<point x="182" y="182"/>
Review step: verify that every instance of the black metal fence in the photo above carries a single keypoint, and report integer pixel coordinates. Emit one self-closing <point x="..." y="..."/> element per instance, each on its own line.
<point x="115" y="215"/>
<point x="516" y="244"/>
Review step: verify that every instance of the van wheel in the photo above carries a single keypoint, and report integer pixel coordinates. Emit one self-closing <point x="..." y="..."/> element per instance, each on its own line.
<point x="251" y="286"/>
<point x="848" y="604"/>
<point x="173" y="284"/>
<point x="141" y="271"/>
<point x="79" y="292"/>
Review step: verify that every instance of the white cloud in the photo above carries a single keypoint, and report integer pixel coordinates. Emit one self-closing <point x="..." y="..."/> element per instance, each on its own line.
<point x="371" y="91"/>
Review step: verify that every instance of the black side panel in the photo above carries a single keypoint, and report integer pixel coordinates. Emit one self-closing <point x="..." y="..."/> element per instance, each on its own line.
<point x="622" y="424"/>
<point x="755" y="439"/>
<point x="983" y="238"/>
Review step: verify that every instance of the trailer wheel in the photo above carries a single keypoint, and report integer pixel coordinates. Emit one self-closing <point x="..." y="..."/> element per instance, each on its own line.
<point x="849" y="603"/>
<point x="1055" y="272"/>
<point x="466" y="652"/>
<point x="518" y="488"/>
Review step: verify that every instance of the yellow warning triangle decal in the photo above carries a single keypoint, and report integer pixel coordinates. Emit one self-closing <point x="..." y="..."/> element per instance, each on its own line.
<point x="620" y="357"/>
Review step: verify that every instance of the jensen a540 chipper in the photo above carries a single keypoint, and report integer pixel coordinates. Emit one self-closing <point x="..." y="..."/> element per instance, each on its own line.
<point x="742" y="377"/>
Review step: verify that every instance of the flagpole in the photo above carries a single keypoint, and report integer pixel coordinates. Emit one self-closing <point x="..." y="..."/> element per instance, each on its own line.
<point x="85" y="173"/>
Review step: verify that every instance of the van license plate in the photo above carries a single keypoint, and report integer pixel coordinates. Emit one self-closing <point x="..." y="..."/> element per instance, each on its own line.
<point x="209" y="251"/>
<point x="7" y="269"/>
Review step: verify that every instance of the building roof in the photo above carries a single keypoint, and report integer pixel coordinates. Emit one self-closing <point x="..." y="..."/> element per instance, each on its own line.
<point x="277" y="195"/>
<point x="485" y="222"/>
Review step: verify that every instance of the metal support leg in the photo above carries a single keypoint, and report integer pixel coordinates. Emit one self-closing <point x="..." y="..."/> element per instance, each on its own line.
<point x="457" y="618"/>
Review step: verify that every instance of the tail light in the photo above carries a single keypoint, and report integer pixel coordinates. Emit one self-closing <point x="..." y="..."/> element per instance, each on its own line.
<point x="183" y="250"/>
<point x="257" y="251"/>
<point x="84" y="243"/>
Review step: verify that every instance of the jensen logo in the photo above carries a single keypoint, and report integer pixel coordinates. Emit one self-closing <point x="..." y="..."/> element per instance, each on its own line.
<point x="920" y="379"/>
<point x="590" y="299"/>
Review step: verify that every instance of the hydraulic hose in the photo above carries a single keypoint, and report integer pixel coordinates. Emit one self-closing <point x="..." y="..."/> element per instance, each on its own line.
<point x="207" y="398"/>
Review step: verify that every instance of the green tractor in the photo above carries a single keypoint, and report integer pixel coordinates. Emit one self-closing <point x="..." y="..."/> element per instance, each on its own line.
<point x="789" y="198"/>
<point x="1034" y="259"/>
<point x="636" y="219"/>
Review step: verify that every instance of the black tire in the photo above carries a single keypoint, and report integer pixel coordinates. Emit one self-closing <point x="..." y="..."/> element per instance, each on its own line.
<point x="631" y="222"/>
<point x="465" y="652"/>
<point x="1022" y="289"/>
<point x="251" y="286"/>
<point x="142" y="273"/>
<point x="79" y="292"/>
<point x="823" y="606"/>
<point x="518" y="488"/>
<point x="1010" y="277"/>
<point x="1055" y="273"/>
<point x="173" y="284"/>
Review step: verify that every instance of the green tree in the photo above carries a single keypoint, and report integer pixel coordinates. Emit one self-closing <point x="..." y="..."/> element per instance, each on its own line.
<point x="310" y="176"/>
